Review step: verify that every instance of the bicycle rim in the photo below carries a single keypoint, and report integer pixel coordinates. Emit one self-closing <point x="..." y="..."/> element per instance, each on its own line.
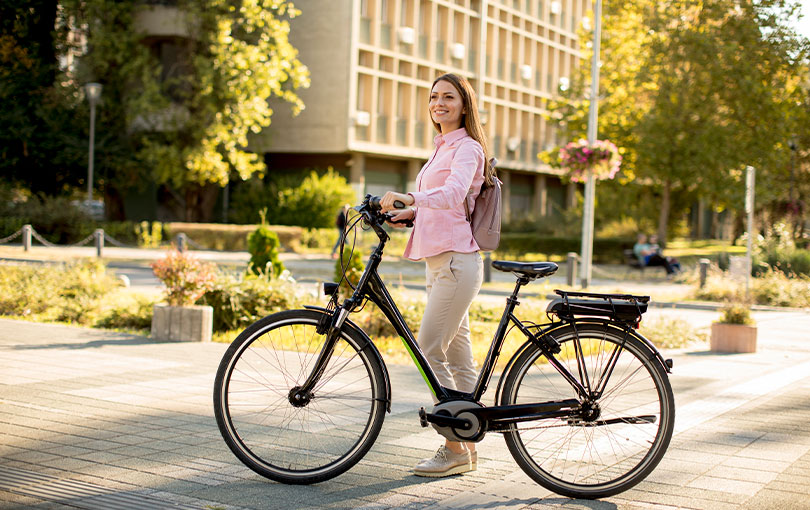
<point x="622" y="445"/>
<point x="297" y="444"/>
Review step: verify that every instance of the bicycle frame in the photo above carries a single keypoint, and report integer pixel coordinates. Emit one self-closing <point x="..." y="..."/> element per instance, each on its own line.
<point x="371" y="286"/>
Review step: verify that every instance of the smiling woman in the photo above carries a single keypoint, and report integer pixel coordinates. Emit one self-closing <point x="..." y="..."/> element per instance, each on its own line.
<point x="442" y="236"/>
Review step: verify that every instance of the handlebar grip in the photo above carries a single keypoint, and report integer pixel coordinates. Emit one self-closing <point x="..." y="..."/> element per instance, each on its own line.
<point x="375" y="203"/>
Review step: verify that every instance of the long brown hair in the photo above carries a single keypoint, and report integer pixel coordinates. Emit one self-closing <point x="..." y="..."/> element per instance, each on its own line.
<point x="469" y="120"/>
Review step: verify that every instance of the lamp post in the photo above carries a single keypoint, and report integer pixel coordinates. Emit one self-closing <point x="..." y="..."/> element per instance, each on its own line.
<point x="93" y="93"/>
<point x="590" y="183"/>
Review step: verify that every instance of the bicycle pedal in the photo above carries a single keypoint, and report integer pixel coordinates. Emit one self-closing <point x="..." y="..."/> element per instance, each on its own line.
<point x="423" y="417"/>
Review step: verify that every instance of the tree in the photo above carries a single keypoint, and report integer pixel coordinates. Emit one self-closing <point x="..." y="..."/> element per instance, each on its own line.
<point x="40" y="138"/>
<point x="187" y="119"/>
<point x="694" y="92"/>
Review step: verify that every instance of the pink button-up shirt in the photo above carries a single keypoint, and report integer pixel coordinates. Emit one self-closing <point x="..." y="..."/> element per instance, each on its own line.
<point x="455" y="171"/>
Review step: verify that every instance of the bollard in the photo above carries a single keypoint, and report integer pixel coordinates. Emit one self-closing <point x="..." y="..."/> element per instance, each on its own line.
<point x="26" y="237"/>
<point x="487" y="267"/>
<point x="571" y="266"/>
<point x="704" y="271"/>
<point x="181" y="242"/>
<point x="99" y="235"/>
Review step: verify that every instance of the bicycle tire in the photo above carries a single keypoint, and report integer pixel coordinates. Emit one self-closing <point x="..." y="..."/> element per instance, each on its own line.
<point x="611" y="454"/>
<point x="298" y="444"/>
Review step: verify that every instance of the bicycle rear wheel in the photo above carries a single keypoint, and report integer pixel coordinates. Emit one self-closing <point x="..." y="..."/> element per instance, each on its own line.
<point x="310" y="441"/>
<point x="626" y="430"/>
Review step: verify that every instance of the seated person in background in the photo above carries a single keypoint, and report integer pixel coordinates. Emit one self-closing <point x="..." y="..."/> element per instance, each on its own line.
<point x="649" y="254"/>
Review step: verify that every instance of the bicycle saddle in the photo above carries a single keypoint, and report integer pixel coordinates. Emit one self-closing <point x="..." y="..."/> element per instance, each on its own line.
<point x="528" y="269"/>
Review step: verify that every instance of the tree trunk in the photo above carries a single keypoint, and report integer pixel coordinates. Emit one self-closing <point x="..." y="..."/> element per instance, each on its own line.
<point x="663" y="216"/>
<point x="200" y="202"/>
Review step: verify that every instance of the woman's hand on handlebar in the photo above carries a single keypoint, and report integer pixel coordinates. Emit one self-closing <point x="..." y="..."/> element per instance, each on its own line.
<point x="403" y="218"/>
<point x="387" y="201"/>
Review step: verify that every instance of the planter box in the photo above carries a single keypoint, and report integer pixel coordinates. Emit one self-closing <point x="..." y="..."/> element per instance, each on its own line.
<point x="182" y="323"/>
<point x="733" y="338"/>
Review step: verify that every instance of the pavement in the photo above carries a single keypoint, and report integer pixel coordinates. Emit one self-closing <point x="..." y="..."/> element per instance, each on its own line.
<point x="95" y="419"/>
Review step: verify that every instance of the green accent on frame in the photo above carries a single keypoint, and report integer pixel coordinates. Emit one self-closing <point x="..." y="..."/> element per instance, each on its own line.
<point x="408" y="348"/>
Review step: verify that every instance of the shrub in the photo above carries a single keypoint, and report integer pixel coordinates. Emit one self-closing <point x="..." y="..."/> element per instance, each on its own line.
<point x="72" y="292"/>
<point x="315" y="203"/>
<point x="263" y="246"/>
<point x="239" y="301"/>
<point x="671" y="332"/>
<point x="149" y="236"/>
<point x="131" y="315"/>
<point x="605" y="250"/>
<point x="736" y="313"/>
<point x="311" y="202"/>
<point x="186" y="278"/>
<point x="772" y="287"/>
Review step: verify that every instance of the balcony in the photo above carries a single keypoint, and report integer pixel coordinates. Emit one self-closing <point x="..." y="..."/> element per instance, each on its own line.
<point x="161" y="20"/>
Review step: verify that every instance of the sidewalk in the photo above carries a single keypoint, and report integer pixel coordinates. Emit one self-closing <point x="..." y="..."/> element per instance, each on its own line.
<point x="102" y="420"/>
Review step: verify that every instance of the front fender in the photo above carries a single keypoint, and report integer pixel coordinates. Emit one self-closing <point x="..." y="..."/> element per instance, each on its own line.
<point x="369" y="346"/>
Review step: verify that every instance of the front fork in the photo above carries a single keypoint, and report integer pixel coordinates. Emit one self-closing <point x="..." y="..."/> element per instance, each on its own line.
<point x="300" y="395"/>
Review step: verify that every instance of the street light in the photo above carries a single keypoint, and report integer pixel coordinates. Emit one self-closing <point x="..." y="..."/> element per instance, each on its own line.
<point x="590" y="183"/>
<point x="93" y="93"/>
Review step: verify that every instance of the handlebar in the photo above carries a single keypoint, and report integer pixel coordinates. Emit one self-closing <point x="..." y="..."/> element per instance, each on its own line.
<point x="370" y="209"/>
<point x="374" y="202"/>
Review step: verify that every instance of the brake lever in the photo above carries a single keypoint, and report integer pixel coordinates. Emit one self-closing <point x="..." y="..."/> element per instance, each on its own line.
<point x="407" y="223"/>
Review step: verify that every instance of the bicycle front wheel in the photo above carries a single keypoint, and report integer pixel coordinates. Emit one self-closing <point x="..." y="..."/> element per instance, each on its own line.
<point x="627" y="426"/>
<point x="310" y="441"/>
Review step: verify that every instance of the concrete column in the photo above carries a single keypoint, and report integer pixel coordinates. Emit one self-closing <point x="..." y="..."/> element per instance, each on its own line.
<point x="506" y="210"/>
<point x="540" y="199"/>
<point x="414" y="165"/>
<point x="571" y="195"/>
<point x="357" y="175"/>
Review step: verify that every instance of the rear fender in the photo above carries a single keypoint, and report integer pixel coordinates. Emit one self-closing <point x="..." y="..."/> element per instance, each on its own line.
<point x="653" y="352"/>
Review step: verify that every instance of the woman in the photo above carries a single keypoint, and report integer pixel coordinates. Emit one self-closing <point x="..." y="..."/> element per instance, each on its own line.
<point x="442" y="236"/>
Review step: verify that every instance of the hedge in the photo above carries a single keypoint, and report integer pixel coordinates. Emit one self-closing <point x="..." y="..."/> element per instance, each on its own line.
<point x="607" y="250"/>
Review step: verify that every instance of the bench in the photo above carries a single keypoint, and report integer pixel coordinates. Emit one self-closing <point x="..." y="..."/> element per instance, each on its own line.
<point x="631" y="260"/>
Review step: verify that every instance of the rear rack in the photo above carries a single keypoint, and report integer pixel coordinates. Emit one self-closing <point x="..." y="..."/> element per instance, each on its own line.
<point x="625" y="308"/>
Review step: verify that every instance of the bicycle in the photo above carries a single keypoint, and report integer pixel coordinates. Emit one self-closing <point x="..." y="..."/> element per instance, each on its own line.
<point x="585" y="405"/>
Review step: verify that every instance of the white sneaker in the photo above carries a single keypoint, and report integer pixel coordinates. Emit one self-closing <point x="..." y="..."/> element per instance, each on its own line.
<point x="444" y="463"/>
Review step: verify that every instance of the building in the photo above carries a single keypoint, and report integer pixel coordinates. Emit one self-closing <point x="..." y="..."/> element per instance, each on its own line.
<point x="372" y="63"/>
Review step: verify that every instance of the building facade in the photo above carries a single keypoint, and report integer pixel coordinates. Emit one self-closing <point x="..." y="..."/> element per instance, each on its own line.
<point x="372" y="63"/>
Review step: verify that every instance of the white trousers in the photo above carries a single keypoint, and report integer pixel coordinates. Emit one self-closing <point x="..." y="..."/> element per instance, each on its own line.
<point x="452" y="282"/>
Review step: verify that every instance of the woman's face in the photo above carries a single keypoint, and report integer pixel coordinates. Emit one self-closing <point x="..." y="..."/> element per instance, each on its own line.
<point x="446" y="106"/>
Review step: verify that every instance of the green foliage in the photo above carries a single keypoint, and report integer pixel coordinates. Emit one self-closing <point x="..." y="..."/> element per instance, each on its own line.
<point x="238" y="301"/>
<point x="57" y="219"/>
<point x="72" y="292"/>
<point x="149" y="236"/>
<point x="605" y="250"/>
<point x="671" y="332"/>
<point x="41" y="133"/>
<point x="690" y="112"/>
<point x="135" y="314"/>
<point x="778" y="251"/>
<point x="185" y="123"/>
<point x="736" y="313"/>
<point x="772" y="288"/>
<point x="186" y="278"/>
<point x="348" y="268"/>
<point x="263" y="246"/>
<point x="311" y="203"/>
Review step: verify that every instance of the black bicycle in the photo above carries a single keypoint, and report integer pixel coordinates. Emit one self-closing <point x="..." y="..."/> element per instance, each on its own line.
<point x="585" y="405"/>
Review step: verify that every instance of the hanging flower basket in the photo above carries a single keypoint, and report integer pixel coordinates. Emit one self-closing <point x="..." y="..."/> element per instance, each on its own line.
<point x="602" y="158"/>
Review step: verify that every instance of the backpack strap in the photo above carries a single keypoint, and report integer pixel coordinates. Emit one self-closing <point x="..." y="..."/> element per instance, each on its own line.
<point x="492" y="163"/>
